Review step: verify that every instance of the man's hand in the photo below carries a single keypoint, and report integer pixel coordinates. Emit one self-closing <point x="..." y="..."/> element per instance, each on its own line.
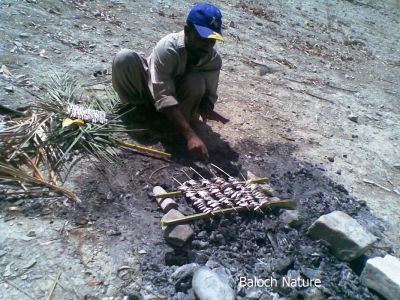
<point x="197" y="148"/>
<point x="212" y="115"/>
<point x="195" y="145"/>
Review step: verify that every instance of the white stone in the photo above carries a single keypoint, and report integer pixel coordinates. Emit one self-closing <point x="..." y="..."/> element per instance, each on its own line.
<point x="383" y="276"/>
<point x="207" y="285"/>
<point x="346" y="237"/>
<point x="166" y="204"/>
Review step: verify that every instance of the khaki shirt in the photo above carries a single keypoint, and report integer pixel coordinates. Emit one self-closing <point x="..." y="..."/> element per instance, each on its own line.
<point x="168" y="61"/>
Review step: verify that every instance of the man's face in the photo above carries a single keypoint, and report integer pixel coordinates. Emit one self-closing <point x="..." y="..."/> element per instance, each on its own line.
<point x="196" y="45"/>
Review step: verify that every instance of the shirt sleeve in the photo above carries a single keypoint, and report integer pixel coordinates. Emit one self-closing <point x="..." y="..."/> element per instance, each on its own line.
<point x="163" y="65"/>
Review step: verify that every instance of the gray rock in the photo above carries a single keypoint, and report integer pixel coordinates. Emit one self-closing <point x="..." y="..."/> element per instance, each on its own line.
<point x="254" y="293"/>
<point x="291" y="218"/>
<point x="180" y="296"/>
<point x="313" y="293"/>
<point x="176" y="234"/>
<point x="212" y="264"/>
<point x="383" y="276"/>
<point x="200" y="244"/>
<point x="207" y="285"/>
<point x="9" y="89"/>
<point x="353" y="118"/>
<point x="347" y="238"/>
<point x="184" y="271"/>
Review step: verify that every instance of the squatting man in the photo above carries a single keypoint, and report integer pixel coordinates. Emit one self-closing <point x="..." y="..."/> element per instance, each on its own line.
<point x="180" y="77"/>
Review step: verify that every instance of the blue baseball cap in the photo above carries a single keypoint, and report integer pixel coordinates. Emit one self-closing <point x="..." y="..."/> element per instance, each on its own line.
<point x="206" y="19"/>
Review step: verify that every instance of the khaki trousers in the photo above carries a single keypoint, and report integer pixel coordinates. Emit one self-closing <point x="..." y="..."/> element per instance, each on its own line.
<point x="130" y="80"/>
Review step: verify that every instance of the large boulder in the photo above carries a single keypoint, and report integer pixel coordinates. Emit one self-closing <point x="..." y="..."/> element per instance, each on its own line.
<point x="346" y="237"/>
<point x="383" y="276"/>
<point x="207" y="285"/>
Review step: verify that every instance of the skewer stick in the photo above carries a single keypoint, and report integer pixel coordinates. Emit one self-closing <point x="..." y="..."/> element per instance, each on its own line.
<point x="170" y="194"/>
<point x="144" y="149"/>
<point x="218" y="168"/>
<point x="176" y="180"/>
<point x="288" y="203"/>
<point x="196" y="172"/>
<point x="187" y="175"/>
<point x="177" y="193"/>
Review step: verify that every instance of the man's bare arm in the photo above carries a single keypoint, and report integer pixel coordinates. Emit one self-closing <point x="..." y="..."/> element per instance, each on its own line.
<point x="195" y="145"/>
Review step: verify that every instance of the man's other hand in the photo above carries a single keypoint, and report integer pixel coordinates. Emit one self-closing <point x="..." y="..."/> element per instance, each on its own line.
<point x="197" y="148"/>
<point x="212" y="115"/>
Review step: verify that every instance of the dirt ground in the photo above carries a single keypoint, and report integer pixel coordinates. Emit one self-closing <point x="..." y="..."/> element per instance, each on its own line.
<point x="310" y="81"/>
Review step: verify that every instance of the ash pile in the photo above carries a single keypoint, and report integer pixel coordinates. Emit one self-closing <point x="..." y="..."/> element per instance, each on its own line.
<point x="322" y="250"/>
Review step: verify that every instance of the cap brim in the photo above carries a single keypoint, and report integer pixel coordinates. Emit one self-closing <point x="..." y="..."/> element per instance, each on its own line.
<point x="208" y="33"/>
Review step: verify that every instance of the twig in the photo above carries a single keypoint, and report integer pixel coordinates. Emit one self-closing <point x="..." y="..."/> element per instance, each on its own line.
<point x="22" y="176"/>
<point x="157" y="170"/>
<point x="19" y="289"/>
<point x="318" y="97"/>
<point x="36" y="171"/>
<point x="340" y="88"/>
<point x="377" y="184"/>
<point x="53" y="287"/>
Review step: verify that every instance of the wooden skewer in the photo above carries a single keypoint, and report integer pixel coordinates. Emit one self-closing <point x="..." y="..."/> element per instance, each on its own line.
<point x="196" y="172"/>
<point x="145" y="149"/>
<point x="287" y="203"/>
<point x="218" y="168"/>
<point x="176" y="180"/>
<point x="170" y="194"/>
<point x="177" y="193"/>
